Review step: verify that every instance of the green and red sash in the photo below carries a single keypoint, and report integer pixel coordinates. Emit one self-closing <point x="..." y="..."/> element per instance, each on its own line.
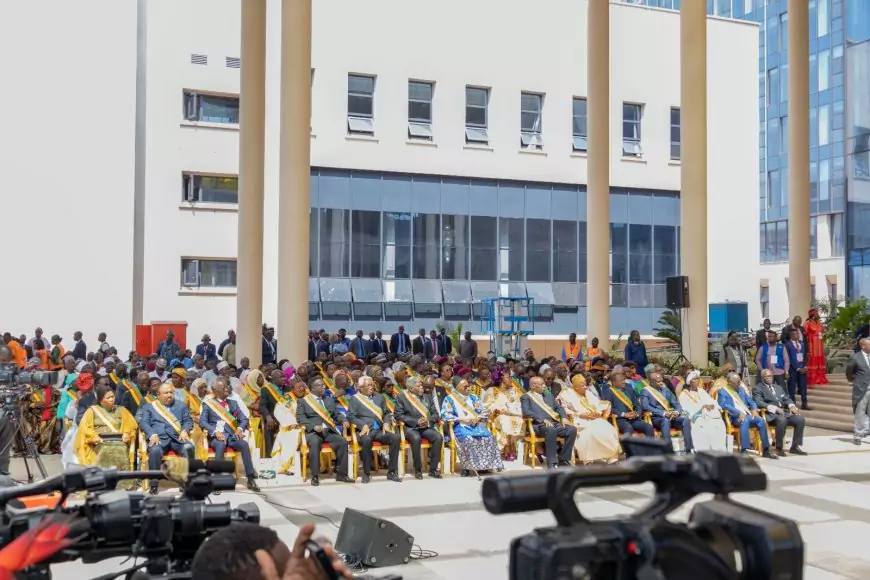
<point x="166" y="415"/>
<point x="391" y="404"/>
<point x="617" y="392"/>
<point x="539" y="401"/>
<point x="378" y="412"/>
<point x="109" y="421"/>
<point x="519" y="384"/>
<point x="343" y="402"/>
<point x="149" y="398"/>
<point x="444" y="384"/>
<point x="134" y="391"/>
<point x="38" y="395"/>
<point x="273" y="390"/>
<point x="114" y="378"/>
<point x="320" y="410"/>
<point x="223" y="413"/>
<point x="658" y="397"/>
<point x="326" y="380"/>
<point x="194" y="403"/>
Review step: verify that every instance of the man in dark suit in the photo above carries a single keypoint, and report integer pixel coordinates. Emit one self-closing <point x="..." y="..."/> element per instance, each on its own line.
<point x="440" y="388"/>
<point x="625" y="405"/>
<point x="225" y="425"/>
<point x="166" y="424"/>
<point x="796" y="368"/>
<point x="858" y="373"/>
<point x="796" y="324"/>
<point x="368" y="412"/>
<point x="862" y="331"/>
<point x="421" y="345"/>
<point x="270" y="395"/>
<point x="549" y="421"/>
<point x="321" y="344"/>
<point x="132" y="395"/>
<point x="400" y="342"/>
<point x="445" y="344"/>
<point x="781" y="412"/>
<point x="80" y="350"/>
<point x="420" y="417"/>
<point x="359" y="346"/>
<point x="320" y="418"/>
<point x="658" y="400"/>
<point x="312" y="345"/>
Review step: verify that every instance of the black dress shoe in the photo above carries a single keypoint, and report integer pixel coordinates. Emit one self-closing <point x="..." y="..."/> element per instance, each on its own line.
<point x="465" y="473"/>
<point x="252" y="485"/>
<point x="315" y="480"/>
<point x="418" y="475"/>
<point x="435" y="475"/>
<point x="563" y="463"/>
<point x="795" y="450"/>
<point x="768" y="455"/>
<point x="781" y="453"/>
<point x="366" y="477"/>
<point x="344" y="479"/>
<point x="856" y="440"/>
<point x="393" y="476"/>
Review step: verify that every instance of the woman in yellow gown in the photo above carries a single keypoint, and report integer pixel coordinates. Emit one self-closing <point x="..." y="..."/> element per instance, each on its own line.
<point x="104" y="433"/>
<point x="504" y="402"/>
<point x="250" y="394"/>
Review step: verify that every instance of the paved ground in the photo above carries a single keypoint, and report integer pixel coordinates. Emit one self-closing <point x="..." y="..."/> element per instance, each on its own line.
<point x="828" y="493"/>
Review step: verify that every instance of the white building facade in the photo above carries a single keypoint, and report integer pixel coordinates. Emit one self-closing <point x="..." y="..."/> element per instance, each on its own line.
<point x="446" y="166"/>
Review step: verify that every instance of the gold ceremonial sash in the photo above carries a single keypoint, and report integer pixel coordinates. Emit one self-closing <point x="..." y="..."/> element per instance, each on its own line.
<point x="134" y="391"/>
<point x="113" y="377"/>
<point x="254" y="394"/>
<point x="391" y="404"/>
<point x="330" y="384"/>
<point x="273" y="391"/>
<point x="617" y="392"/>
<point x="38" y="395"/>
<point x="193" y="402"/>
<point x="107" y="419"/>
<point x="73" y="395"/>
<point x="223" y="413"/>
<point x="519" y="384"/>
<point x="658" y="396"/>
<point x="167" y="415"/>
<point x="320" y="410"/>
<point x="370" y="406"/>
<point x="343" y="402"/>
<point x="587" y="405"/>
<point x="738" y="402"/>
<point x="150" y="398"/>
<point x="455" y="397"/>
<point x="443" y="384"/>
<point x="411" y="398"/>
<point x="540" y="402"/>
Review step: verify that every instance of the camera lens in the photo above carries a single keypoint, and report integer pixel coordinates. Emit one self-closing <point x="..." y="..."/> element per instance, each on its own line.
<point x="516" y="493"/>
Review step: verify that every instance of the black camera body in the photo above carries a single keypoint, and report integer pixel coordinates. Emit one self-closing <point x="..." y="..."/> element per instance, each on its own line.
<point x="12" y="376"/>
<point x="722" y="539"/>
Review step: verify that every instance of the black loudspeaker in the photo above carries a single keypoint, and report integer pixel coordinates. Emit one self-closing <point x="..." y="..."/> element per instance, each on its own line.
<point x="677" y="291"/>
<point x="375" y="541"/>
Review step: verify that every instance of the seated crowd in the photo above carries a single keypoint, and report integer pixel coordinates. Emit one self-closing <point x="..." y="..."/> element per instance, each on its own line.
<point x="361" y="410"/>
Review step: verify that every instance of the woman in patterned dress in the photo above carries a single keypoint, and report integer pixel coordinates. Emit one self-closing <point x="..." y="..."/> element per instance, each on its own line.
<point x="504" y="401"/>
<point x="476" y="447"/>
<point x="105" y="432"/>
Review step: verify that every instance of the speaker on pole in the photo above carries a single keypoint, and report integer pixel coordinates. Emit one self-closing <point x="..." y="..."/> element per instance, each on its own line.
<point x="677" y="291"/>
<point x="373" y="540"/>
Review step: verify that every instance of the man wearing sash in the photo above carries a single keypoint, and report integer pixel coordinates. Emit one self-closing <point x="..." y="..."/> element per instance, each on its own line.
<point x="270" y="395"/>
<point x="743" y="412"/>
<point x="225" y="425"/>
<point x="625" y="405"/>
<point x="659" y="401"/>
<point x="549" y="421"/>
<point x="420" y="417"/>
<point x="167" y="425"/>
<point x="319" y="416"/>
<point x="368" y="412"/>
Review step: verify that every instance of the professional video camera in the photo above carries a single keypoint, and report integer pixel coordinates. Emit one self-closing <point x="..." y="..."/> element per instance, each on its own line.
<point x="165" y="531"/>
<point x="721" y="540"/>
<point x="11" y="375"/>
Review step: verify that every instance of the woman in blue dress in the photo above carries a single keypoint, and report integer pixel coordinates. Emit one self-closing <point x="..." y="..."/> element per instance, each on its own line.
<point x="476" y="447"/>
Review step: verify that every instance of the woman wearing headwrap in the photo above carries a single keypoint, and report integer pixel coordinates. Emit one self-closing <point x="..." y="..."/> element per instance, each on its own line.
<point x="251" y="397"/>
<point x="708" y="428"/>
<point x="476" y="447"/>
<point x="105" y="433"/>
<point x="817" y="366"/>
<point x="504" y="402"/>
<point x="40" y="417"/>
<point x="80" y="387"/>
<point x="597" y="439"/>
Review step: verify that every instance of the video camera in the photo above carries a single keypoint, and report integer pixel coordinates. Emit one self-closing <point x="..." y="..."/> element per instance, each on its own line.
<point x="722" y="539"/>
<point x="166" y="531"/>
<point x="11" y="375"/>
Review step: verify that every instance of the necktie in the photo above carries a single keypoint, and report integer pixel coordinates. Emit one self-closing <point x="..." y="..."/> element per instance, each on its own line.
<point x="401" y="343"/>
<point x="359" y="348"/>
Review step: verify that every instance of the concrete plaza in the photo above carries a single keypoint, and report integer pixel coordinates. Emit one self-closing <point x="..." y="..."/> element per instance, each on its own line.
<point x="827" y="493"/>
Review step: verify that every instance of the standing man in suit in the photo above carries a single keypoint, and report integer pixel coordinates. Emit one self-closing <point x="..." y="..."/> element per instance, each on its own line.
<point x="658" y="400"/>
<point x="420" y="417"/>
<point x="312" y="345"/>
<point x="359" y="346"/>
<point x="317" y="413"/>
<point x="781" y="412"/>
<point x="433" y="344"/>
<point x="858" y="373"/>
<point x="625" y="404"/>
<point x="421" y="344"/>
<point x="270" y="346"/>
<point x="549" y="421"/>
<point x="321" y="344"/>
<point x="379" y="345"/>
<point x="445" y="343"/>
<point x="796" y="324"/>
<point x="225" y="424"/>
<point x="368" y="412"/>
<point x="167" y="425"/>
<point x="743" y="412"/>
<point x="80" y="349"/>
<point x="400" y="342"/>
<point x="796" y="367"/>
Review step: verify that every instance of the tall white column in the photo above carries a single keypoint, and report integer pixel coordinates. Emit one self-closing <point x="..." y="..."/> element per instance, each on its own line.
<point x="798" y="158"/>
<point x="598" y="173"/>
<point x="693" y="174"/>
<point x="294" y="204"/>
<point x="252" y="152"/>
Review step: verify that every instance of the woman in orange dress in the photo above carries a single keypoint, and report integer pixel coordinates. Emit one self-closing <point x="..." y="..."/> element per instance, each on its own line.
<point x="816" y="364"/>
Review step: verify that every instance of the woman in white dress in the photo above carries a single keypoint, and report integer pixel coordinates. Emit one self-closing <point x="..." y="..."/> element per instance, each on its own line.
<point x="597" y="439"/>
<point x="708" y="428"/>
<point x="286" y="445"/>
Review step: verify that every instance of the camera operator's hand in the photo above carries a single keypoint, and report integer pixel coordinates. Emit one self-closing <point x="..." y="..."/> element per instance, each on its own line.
<point x="220" y="436"/>
<point x="154" y="440"/>
<point x="301" y="567"/>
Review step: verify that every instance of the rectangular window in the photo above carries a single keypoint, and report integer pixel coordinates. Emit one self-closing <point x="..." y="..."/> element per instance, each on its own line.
<point x="211" y="108"/>
<point x="814" y="239"/>
<point x="631" y="125"/>
<point x="334" y="243"/>
<point x="360" y="104"/>
<point x="774" y="139"/>
<point x="454" y="247"/>
<point x="824" y="128"/>
<point x="397" y="245"/>
<point x="773" y="84"/>
<point x="209" y="189"/>
<point x="823" y="17"/>
<point x="476" y="105"/>
<point x="783" y="32"/>
<point x="832" y="290"/>
<point x="427" y="245"/>
<point x="539" y="249"/>
<point x="579" y="124"/>
<point x="765" y="301"/>
<point x="773" y="188"/>
<point x="783" y="84"/>
<point x="824" y="69"/>
<point x="812" y="291"/>
<point x="836" y="235"/>
<point x="365" y="244"/>
<point x="420" y="110"/>
<point x="208" y="273"/>
<point x="675" y="133"/>
<point x="511" y="242"/>
<point x="484" y="248"/>
<point x="531" y="112"/>
<point x="565" y="251"/>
